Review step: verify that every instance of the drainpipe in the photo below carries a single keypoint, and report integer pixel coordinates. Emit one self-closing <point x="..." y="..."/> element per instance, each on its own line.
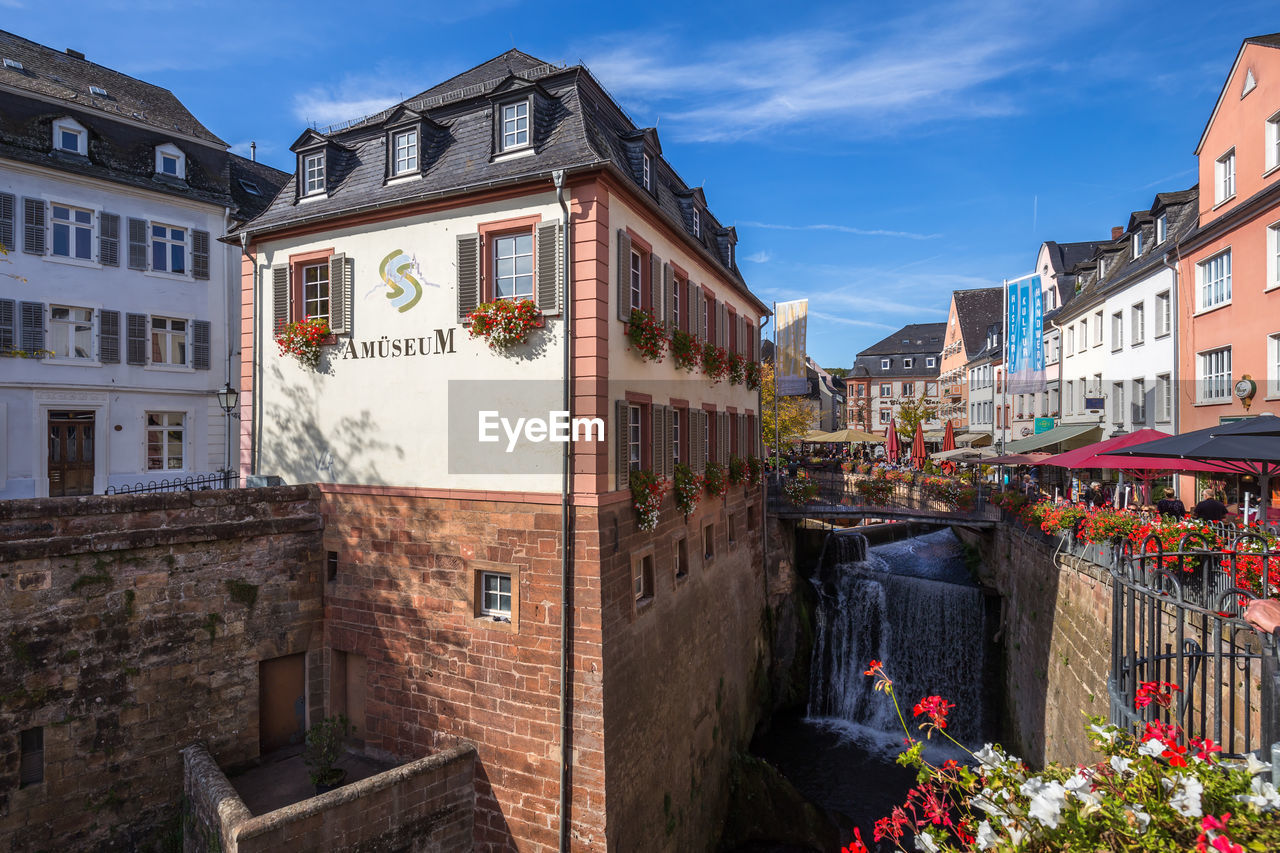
<point x="566" y="542"/>
<point x="764" y="504"/>
<point x="1174" y="390"/>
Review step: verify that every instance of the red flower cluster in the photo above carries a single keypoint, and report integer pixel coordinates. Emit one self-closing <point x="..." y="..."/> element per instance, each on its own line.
<point x="715" y="361"/>
<point x="303" y="340"/>
<point x="936" y="708"/>
<point x="716" y="479"/>
<point x="685" y="350"/>
<point x="506" y="322"/>
<point x="753" y="375"/>
<point x="737" y="369"/>
<point x="1213" y="835"/>
<point x="646" y="335"/>
<point x="1160" y="692"/>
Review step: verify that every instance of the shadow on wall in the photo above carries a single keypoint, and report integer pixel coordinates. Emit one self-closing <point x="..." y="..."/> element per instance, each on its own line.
<point x="301" y="451"/>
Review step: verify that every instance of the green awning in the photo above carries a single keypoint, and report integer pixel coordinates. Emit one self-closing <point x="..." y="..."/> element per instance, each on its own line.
<point x="1083" y="433"/>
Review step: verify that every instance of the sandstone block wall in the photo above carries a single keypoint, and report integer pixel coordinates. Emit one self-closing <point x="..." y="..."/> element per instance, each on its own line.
<point x="130" y="627"/>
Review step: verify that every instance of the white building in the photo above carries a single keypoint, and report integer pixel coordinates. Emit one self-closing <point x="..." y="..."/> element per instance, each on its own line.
<point x="1118" y="339"/>
<point x="115" y="294"/>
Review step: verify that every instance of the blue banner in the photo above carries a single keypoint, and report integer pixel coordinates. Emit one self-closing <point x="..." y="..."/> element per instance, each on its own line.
<point x="1025" y="353"/>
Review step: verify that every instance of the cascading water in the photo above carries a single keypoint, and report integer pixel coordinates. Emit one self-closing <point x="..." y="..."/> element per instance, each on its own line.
<point x="911" y="605"/>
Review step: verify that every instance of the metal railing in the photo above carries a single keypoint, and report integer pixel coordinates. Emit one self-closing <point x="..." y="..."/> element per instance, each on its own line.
<point x="194" y="483"/>
<point x="836" y="491"/>
<point x="1176" y="619"/>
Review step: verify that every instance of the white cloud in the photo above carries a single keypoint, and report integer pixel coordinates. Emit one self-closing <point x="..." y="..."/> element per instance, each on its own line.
<point x="358" y="95"/>
<point x="843" y="229"/>
<point x="760" y="257"/>
<point x="848" y="321"/>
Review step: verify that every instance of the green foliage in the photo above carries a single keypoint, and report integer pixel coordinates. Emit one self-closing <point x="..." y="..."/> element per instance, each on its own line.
<point x="243" y="592"/>
<point x="89" y="580"/>
<point x="210" y="624"/>
<point x="324" y="747"/>
<point x="912" y="413"/>
<point x="687" y="488"/>
<point x="794" y="417"/>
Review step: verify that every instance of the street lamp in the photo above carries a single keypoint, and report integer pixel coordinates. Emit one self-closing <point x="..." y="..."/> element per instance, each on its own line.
<point x="227" y="399"/>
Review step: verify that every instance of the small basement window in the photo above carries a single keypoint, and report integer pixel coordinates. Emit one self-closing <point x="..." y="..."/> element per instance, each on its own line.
<point x="709" y="542"/>
<point x="495" y="595"/>
<point x="681" y="558"/>
<point x="31" y="763"/>
<point x="331" y="565"/>
<point x="642" y="578"/>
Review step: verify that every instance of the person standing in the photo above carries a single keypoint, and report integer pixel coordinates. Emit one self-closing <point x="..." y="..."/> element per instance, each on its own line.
<point x="1170" y="506"/>
<point x="1210" y="508"/>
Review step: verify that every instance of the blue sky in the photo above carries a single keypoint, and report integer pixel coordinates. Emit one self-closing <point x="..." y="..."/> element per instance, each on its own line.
<point x="873" y="159"/>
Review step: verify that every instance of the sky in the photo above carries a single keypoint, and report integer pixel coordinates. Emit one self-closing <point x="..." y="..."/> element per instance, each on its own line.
<point x="874" y="156"/>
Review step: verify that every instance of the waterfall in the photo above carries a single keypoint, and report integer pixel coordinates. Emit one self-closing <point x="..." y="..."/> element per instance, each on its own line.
<point x="912" y="606"/>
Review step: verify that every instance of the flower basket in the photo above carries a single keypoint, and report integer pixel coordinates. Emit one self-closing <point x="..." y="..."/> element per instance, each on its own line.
<point x="737" y="470"/>
<point x="715" y="361"/>
<point x="755" y="470"/>
<point x="687" y="487"/>
<point x="646" y="496"/>
<point x="645" y="335"/>
<point x="875" y="492"/>
<point x="800" y="490"/>
<point x="737" y="369"/>
<point x="505" y="323"/>
<point x="302" y="340"/>
<point x="716" y="481"/>
<point x="752" y="374"/>
<point x="685" y="351"/>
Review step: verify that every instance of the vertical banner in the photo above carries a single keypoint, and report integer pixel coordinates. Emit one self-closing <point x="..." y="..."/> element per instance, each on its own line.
<point x="1025" y="354"/>
<point x="791" y="375"/>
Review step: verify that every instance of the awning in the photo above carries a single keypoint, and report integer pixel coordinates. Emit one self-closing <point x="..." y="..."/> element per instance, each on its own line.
<point x="935" y="435"/>
<point x="974" y="439"/>
<point x="1082" y="433"/>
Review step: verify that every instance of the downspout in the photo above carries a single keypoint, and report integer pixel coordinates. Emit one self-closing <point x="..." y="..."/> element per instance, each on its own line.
<point x="1173" y="316"/>
<point x="566" y="542"/>
<point x="757" y="441"/>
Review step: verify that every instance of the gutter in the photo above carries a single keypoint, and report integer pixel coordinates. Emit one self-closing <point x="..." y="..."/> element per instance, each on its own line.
<point x="566" y="542"/>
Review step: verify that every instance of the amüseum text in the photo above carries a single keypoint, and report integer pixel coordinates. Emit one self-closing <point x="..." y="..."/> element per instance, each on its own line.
<point x="384" y="347"/>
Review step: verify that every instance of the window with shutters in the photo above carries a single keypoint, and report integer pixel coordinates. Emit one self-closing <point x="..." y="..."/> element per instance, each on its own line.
<point x="315" y="290"/>
<point x="313" y="284"/>
<point x="170" y="161"/>
<point x="636" y="272"/>
<point x="69" y="136"/>
<point x="513" y="266"/>
<point x="313" y="169"/>
<point x="511" y="259"/>
<point x="678" y="286"/>
<point x="168" y="249"/>
<point x="635" y="437"/>
<point x="70" y="332"/>
<point x="72" y="229"/>
<point x="166" y="440"/>
<point x="169" y="341"/>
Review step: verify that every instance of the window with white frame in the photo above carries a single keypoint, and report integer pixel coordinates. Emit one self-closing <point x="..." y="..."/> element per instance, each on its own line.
<point x="1097" y="328"/>
<point x="634" y="425"/>
<point x="515" y="125"/>
<point x="1138" y="320"/>
<point x="1273" y="256"/>
<point x="166" y="433"/>
<point x="931" y="389"/>
<point x="1164" y="314"/>
<point x="1117" y="331"/>
<point x="495" y="594"/>
<point x="72" y="232"/>
<point x="1162" y="228"/>
<point x="908" y="363"/>
<point x="886" y="389"/>
<point x="1055" y="398"/>
<point x="70" y="136"/>
<point x="168" y="341"/>
<point x="1224" y="177"/>
<point x="908" y="389"/>
<point x="1273" y="364"/>
<point x="1137" y="243"/>
<point x="697" y="223"/>
<point x="1215" y="280"/>
<point x="1164" y="398"/>
<point x="1071" y="396"/>
<point x="313" y="173"/>
<point x="1139" y="401"/>
<point x="1084" y="334"/>
<point x="1214" y="368"/>
<point x="637" y="264"/>
<point x="1083" y="390"/>
<point x="931" y="361"/>
<point x="170" y="161"/>
<point x="1273" y="142"/>
<point x="1117" y="402"/>
<point x="70" y="332"/>
<point x="168" y="249"/>
<point x="513" y="267"/>
<point x="1071" y="339"/>
<point x="884" y="416"/>
<point x="884" y="364"/>
<point x="315" y="290"/>
<point x="404" y="152"/>
<point x="647" y="172"/>
<point x="642" y="577"/>
<point x="676" y="414"/>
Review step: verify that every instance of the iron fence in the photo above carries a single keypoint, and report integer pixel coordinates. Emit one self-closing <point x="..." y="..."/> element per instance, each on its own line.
<point x="833" y="491"/>
<point x="194" y="483"/>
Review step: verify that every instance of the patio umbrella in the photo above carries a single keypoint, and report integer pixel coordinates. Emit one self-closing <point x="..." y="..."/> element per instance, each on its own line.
<point x="918" y="454"/>
<point x="847" y="436"/>
<point x="1103" y="454"/>
<point x="949" y="437"/>
<point x="1250" y="446"/>
<point x="964" y="454"/>
<point x="892" y="444"/>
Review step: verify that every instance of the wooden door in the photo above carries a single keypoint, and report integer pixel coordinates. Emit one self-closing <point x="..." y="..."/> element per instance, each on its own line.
<point x="281" y="708"/>
<point x="70" y="453"/>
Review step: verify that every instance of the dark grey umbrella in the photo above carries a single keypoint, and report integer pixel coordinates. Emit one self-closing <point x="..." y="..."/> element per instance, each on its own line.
<point x="1250" y="446"/>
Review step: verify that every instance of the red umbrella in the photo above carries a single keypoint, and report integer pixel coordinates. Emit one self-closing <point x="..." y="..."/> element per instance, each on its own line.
<point x="892" y="444"/>
<point x="918" y="454"/>
<point x="1144" y="469"/>
<point x="949" y="437"/>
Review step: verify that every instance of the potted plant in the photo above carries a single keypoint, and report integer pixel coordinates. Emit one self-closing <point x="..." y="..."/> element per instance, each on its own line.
<point x="505" y="323"/>
<point x="322" y="751"/>
<point x="303" y="340"/>
<point x="687" y="487"/>
<point x="646" y="494"/>
<point x="685" y="350"/>
<point x="646" y="335"/>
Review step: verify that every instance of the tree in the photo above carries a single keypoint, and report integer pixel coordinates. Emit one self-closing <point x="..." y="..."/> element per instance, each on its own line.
<point x="838" y="372"/>
<point x="911" y="413"/>
<point x="795" y="414"/>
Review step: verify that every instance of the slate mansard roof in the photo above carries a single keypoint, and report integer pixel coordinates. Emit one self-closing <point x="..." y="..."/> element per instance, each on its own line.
<point x="575" y="126"/>
<point x="975" y="311"/>
<point x="39" y="85"/>
<point x="916" y="340"/>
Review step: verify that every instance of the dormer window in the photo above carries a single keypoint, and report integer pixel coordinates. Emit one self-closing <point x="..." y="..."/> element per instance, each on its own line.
<point x="404" y="152"/>
<point x="884" y="364"/>
<point x="697" y="223"/>
<point x="250" y="187"/>
<point x="70" y="136"/>
<point x="1137" y="243"/>
<point x="1162" y="228"/>
<point x="313" y="173"/>
<point x="13" y="63"/>
<point x="170" y="161"/>
<point x="98" y="91"/>
<point x="907" y="363"/>
<point x="515" y="125"/>
<point x="1102" y="268"/>
<point x="647" y="175"/>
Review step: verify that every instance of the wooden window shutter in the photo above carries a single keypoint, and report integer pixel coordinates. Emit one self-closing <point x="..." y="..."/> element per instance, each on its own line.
<point x="655" y="287"/>
<point x="621" y="413"/>
<point x="135" y="338"/>
<point x="7" y="214"/>
<point x="137" y="244"/>
<point x="200" y="344"/>
<point x="699" y="314"/>
<point x="722" y="324"/>
<point x="109" y="239"/>
<point x="200" y="255"/>
<point x="722" y="438"/>
<point x="694" y="438"/>
<point x="8" y="332"/>
<point x="468" y="275"/>
<point x="33" y="232"/>
<point x="669" y="415"/>
<point x="657" y="440"/>
<point x="550" y="266"/>
<point x="109" y="337"/>
<point x="281" y="301"/>
<point x="668" y="293"/>
<point x="339" y="295"/>
<point x="624" y="276"/>
<point x="31" y="317"/>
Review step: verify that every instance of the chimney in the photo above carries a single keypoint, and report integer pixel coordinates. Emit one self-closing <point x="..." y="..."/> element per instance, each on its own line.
<point x="1116" y="232"/>
<point x="253" y="151"/>
<point x="75" y="54"/>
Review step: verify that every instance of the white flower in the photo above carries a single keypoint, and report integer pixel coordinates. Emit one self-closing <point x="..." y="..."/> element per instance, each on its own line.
<point x="1047" y="800"/>
<point x="987" y="836"/>
<point x="1264" y="798"/>
<point x="1186" y="800"/>
<point x="1122" y="766"/>
<point x="1080" y="786"/>
<point x="1107" y="733"/>
<point x="1151" y="747"/>
<point x="1141" y="818"/>
<point x="1015" y="834"/>
<point x="983" y="801"/>
<point x="1254" y="766"/>
<point x="925" y="843"/>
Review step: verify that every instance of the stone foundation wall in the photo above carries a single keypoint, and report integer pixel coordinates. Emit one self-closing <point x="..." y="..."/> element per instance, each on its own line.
<point x="425" y="805"/>
<point x="130" y="627"/>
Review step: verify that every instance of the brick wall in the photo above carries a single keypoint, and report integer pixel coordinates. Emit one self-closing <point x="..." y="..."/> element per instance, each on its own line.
<point x="121" y="638"/>
<point x="426" y="805"/>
